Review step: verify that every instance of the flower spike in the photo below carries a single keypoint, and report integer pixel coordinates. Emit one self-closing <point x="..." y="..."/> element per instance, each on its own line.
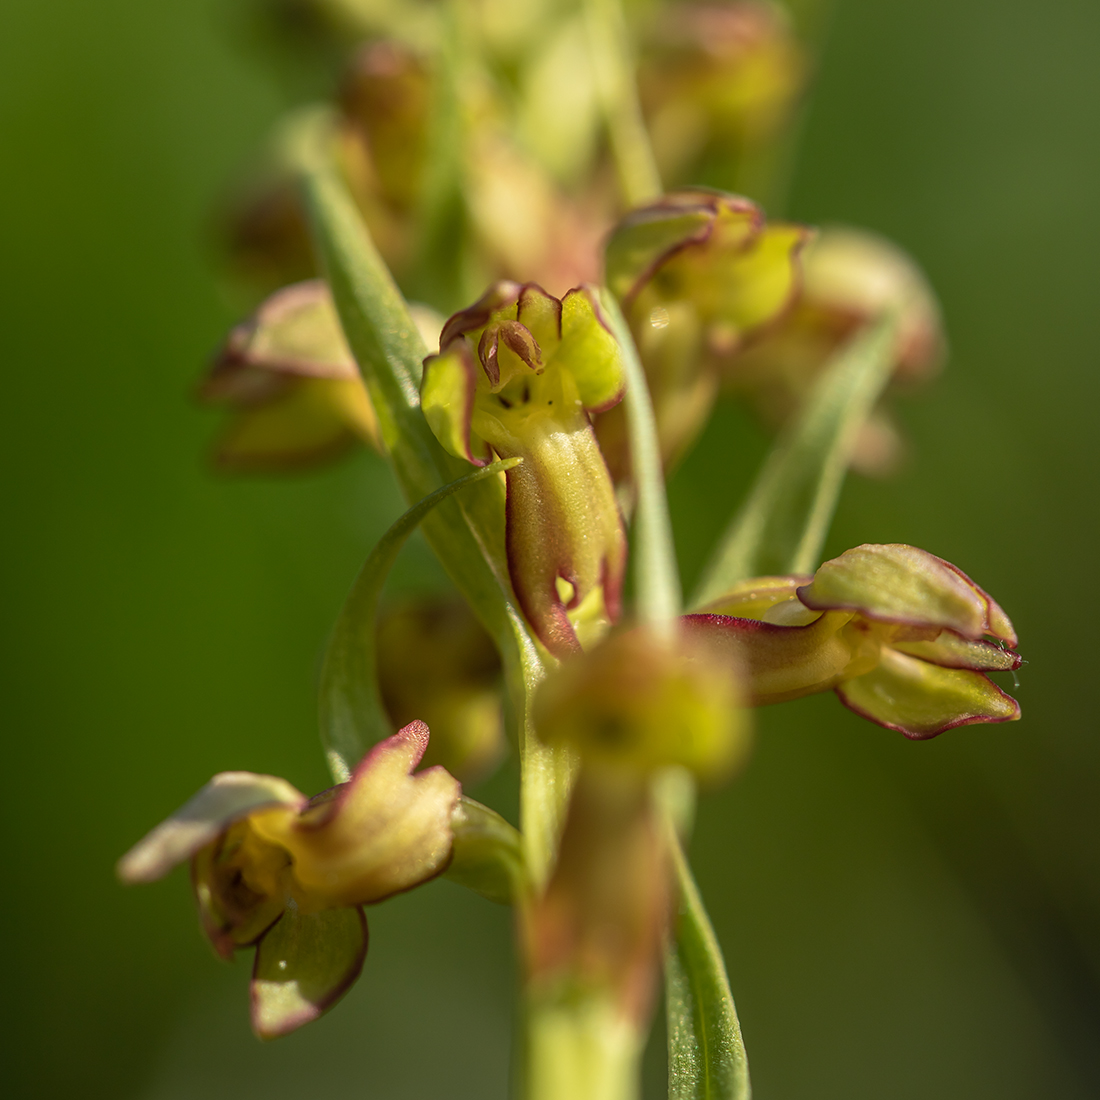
<point x="518" y="374"/>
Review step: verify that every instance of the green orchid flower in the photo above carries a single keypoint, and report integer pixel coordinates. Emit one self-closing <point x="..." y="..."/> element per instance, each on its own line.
<point x="903" y="637"/>
<point x="519" y="374"/>
<point x="290" y="874"/>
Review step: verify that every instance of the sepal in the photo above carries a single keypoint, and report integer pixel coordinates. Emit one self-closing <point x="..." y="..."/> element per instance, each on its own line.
<point x="383" y="832"/>
<point x="895" y="583"/>
<point x="922" y="700"/>
<point x="227" y="798"/>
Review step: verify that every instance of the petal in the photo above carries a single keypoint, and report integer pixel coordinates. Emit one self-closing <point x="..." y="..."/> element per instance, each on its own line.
<point x="921" y="700"/>
<point x="754" y="597"/>
<point x="226" y="798"/>
<point x="304" y="965"/>
<point x="231" y="912"/>
<point x="499" y="301"/>
<point x="295" y="331"/>
<point x="447" y="397"/>
<point x="950" y="651"/>
<point x="384" y="831"/>
<point x="590" y="352"/>
<point x="645" y="238"/>
<point x="900" y="584"/>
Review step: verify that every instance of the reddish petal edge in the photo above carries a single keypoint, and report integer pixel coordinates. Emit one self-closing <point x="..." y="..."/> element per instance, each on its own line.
<point x="592" y="293"/>
<point x="466" y="356"/>
<point x="967" y="720"/>
<point x="1011" y="640"/>
<point x="473" y="317"/>
<point x="334" y="995"/>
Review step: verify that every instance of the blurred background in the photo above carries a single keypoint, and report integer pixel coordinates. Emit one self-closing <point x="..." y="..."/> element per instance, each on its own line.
<point x="899" y="919"/>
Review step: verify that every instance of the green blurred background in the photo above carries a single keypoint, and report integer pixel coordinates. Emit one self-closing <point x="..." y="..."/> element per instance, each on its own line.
<point x="900" y="920"/>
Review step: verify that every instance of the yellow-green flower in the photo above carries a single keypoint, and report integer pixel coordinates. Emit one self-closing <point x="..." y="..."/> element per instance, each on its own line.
<point x="289" y="874"/>
<point x="637" y="702"/>
<point x="851" y="278"/>
<point x="518" y="374"/>
<point x="699" y="274"/>
<point x="293" y="386"/>
<point x="904" y="638"/>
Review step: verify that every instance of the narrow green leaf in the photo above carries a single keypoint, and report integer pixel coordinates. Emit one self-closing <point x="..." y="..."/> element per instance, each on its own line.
<point x="613" y="67"/>
<point x="437" y="276"/>
<point x="781" y="527"/>
<point x="706" y="1056"/>
<point x="657" y="578"/>
<point x="467" y="536"/>
<point x="352" y="717"/>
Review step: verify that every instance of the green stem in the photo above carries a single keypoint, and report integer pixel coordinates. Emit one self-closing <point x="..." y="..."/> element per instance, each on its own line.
<point x="657" y="578"/>
<point x="352" y="717"/>
<point x="613" y="66"/>
<point x="466" y="534"/>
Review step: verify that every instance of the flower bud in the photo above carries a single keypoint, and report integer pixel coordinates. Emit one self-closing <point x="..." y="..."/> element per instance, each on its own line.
<point x="718" y="80"/>
<point x="851" y="278"/>
<point x="517" y="375"/>
<point x="293" y="385"/>
<point x="699" y="273"/>
<point x="435" y="660"/>
<point x="903" y="637"/>
<point x="639" y="702"/>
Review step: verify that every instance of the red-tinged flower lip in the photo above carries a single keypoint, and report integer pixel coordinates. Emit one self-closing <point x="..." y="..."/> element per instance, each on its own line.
<point x="966" y="720"/>
<point x="332" y="995"/>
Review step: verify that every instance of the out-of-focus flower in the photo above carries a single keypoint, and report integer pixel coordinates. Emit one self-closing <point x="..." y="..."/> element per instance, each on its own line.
<point x="293" y="385"/>
<point x="517" y="375"/>
<point x="699" y="274"/>
<point x="595" y="934"/>
<point x="850" y="278"/>
<point x="638" y="702"/>
<point x="436" y="660"/>
<point x="290" y="874"/>
<point x="379" y="143"/>
<point x="718" y="81"/>
<point x="903" y="637"/>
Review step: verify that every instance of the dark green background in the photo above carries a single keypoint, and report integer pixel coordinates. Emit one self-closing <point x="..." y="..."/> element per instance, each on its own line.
<point x="900" y="920"/>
